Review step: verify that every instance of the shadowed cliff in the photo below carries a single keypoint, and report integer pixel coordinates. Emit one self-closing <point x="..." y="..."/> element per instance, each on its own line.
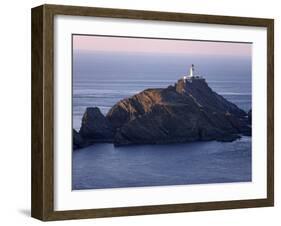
<point x="187" y="111"/>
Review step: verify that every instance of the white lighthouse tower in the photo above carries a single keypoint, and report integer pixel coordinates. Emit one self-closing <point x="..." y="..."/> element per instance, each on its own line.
<point x="192" y="76"/>
<point x="191" y="71"/>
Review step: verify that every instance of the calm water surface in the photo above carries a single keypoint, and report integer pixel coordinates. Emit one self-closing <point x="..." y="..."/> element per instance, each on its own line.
<point x="103" y="166"/>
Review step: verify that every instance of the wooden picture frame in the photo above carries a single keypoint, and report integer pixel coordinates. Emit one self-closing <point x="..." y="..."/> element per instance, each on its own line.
<point x="42" y="205"/>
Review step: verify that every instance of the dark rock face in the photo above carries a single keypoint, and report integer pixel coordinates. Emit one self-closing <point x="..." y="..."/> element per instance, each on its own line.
<point x="188" y="111"/>
<point x="95" y="127"/>
<point x="206" y="97"/>
<point x="250" y="117"/>
<point x="78" y="141"/>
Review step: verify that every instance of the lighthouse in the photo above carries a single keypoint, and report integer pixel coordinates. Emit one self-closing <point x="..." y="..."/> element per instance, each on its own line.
<point x="191" y="75"/>
<point x="191" y="71"/>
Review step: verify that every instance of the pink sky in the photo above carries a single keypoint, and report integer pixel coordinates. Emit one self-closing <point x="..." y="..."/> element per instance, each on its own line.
<point x="143" y="45"/>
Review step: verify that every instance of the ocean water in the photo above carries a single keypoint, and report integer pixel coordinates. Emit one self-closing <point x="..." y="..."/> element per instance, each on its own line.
<point x="104" y="166"/>
<point x="102" y="79"/>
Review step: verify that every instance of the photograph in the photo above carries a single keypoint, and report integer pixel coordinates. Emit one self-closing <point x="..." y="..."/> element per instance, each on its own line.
<point x="160" y="112"/>
<point x="138" y="112"/>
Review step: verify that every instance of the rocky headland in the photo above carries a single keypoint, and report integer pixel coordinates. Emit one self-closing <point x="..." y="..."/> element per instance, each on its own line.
<point x="187" y="111"/>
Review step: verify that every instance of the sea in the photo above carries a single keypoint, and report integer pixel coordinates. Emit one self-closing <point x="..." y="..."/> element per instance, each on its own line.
<point x="101" y="79"/>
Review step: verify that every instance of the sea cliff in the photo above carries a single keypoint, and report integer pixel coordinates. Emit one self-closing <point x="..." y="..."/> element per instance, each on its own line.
<point x="187" y="111"/>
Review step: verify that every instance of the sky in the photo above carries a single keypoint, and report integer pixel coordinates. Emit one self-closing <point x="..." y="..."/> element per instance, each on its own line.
<point x="159" y="46"/>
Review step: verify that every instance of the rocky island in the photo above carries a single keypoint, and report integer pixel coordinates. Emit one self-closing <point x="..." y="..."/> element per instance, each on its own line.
<point x="187" y="111"/>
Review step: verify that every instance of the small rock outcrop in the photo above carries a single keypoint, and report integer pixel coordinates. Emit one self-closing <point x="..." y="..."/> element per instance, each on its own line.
<point x="95" y="127"/>
<point x="78" y="141"/>
<point x="250" y="116"/>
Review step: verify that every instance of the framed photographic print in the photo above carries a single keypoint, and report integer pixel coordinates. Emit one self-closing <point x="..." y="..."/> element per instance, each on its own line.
<point x="141" y="112"/>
